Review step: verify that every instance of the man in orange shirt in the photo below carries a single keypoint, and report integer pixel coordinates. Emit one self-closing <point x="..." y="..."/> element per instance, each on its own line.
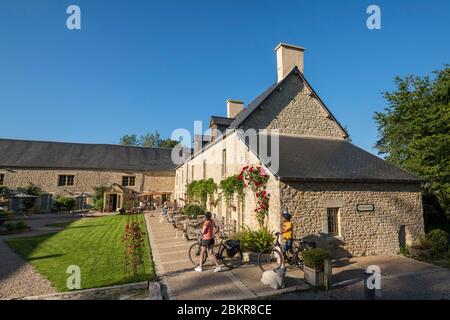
<point x="208" y="229"/>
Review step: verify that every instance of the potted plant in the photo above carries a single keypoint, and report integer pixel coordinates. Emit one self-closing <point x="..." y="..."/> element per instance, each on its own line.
<point x="253" y="242"/>
<point x="314" y="265"/>
<point x="420" y="248"/>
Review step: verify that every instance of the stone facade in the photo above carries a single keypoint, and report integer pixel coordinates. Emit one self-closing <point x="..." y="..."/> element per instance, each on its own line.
<point x="209" y="164"/>
<point x="293" y="109"/>
<point x="397" y="207"/>
<point x="85" y="180"/>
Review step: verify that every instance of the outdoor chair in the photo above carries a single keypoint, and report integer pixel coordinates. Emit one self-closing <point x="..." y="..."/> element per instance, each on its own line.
<point x="180" y="229"/>
<point x="191" y="233"/>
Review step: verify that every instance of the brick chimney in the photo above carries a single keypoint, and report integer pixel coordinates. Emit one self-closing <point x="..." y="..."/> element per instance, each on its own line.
<point x="288" y="56"/>
<point x="234" y="107"/>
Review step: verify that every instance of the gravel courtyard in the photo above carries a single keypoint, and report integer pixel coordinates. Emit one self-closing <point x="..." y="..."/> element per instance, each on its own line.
<point x="17" y="277"/>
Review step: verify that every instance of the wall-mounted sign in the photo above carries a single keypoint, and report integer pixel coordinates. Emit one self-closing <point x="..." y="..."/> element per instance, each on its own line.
<point x="365" y="207"/>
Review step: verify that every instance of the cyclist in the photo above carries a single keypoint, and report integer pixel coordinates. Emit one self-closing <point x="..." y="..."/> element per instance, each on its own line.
<point x="287" y="231"/>
<point x="208" y="229"/>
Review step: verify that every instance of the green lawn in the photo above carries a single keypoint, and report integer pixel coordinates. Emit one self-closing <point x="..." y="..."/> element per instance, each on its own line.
<point x="93" y="244"/>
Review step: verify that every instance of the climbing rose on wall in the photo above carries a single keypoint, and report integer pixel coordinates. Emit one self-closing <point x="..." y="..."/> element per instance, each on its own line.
<point x="256" y="179"/>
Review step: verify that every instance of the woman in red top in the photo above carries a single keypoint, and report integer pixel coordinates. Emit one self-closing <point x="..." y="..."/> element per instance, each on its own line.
<point x="208" y="242"/>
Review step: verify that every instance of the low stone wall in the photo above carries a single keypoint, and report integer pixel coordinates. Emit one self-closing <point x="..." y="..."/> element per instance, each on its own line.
<point x="397" y="217"/>
<point x="133" y="291"/>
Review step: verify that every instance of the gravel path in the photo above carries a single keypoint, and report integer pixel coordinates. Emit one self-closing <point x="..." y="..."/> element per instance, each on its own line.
<point x="18" y="278"/>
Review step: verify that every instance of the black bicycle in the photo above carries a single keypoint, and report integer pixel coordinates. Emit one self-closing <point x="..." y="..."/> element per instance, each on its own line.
<point x="272" y="258"/>
<point x="229" y="253"/>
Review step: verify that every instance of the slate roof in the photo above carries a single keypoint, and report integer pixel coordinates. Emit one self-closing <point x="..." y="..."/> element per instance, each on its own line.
<point x="60" y="155"/>
<point x="222" y="121"/>
<point x="319" y="159"/>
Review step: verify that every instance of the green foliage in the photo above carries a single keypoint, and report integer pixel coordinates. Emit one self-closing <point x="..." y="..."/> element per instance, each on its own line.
<point x="168" y="143"/>
<point x="422" y="243"/>
<point x="65" y="203"/>
<point x="4" y="191"/>
<point x="93" y="244"/>
<point x="404" y="250"/>
<point x="193" y="211"/>
<point x="98" y="197"/>
<point x="21" y="225"/>
<point x="33" y="190"/>
<point x="414" y="131"/>
<point x="129" y="140"/>
<point x="254" y="241"/>
<point x="439" y="240"/>
<point x="149" y="140"/>
<point x="256" y="179"/>
<point x="232" y="186"/>
<point x="200" y="190"/>
<point x="6" y="213"/>
<point x="10" y="226"/>
<point x="315" y="257"/>
<point x="15" y="226"/>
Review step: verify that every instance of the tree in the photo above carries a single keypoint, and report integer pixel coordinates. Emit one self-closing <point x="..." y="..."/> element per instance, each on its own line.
<point x="129" y="140"/>
<point x="414" y="131"/>
<point x="167" y="143"/>
<point x="149" y="140"/>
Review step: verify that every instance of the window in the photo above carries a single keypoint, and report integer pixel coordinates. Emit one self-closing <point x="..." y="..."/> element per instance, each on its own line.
<point x="204" y="169"/>
<point x="128" y="181"/>
<point x="333" y="221"/>
<point x="192" y="173"/>
<point x="2" y="178"/>
<point x="65" y="180"/>
<point x="224" y="162"/>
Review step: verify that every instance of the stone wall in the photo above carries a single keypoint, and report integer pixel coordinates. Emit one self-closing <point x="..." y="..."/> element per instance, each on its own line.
<point x="361" y="233"/>
<point x="294" y="110"/>
<point x="237" y="156"/>
<point x="86" y="180"/>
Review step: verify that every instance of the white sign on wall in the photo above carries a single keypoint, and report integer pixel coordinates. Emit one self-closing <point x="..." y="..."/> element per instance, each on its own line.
<point x="365" y="207"/>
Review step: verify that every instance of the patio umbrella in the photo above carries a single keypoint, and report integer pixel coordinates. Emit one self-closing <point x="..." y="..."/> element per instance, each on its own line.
<point x="24" y="195"/>
<point x="82" y="195"/>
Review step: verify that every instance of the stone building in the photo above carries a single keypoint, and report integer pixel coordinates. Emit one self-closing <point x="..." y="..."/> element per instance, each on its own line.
<point x="354" y="202"/>
<point x="75" y="169"/>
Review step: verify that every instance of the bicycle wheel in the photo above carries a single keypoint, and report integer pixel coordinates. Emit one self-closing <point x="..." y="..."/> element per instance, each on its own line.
<point x="231" y="262"/>
<point x="194" y="254"/>
<point x="270" y="259"/>
<point x="296" y="259"/>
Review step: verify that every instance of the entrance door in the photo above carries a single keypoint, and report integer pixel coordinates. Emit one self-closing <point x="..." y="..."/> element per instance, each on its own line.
<point x="113" y="202"/>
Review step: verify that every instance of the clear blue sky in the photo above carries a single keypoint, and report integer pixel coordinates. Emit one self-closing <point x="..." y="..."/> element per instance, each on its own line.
<point x="138" y="66"/>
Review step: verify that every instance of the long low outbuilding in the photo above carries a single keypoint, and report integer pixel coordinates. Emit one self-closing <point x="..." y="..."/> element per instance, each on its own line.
<point x="77" y="169"/>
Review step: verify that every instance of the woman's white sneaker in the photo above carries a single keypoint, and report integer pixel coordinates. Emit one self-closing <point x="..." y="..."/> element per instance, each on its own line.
<point x="198" y="269"/>
<point x="217" y="269"/>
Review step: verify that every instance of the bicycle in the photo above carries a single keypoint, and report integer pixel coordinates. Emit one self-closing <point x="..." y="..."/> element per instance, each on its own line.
<point x="272" y="257"/>
<point x="229" y="253"/>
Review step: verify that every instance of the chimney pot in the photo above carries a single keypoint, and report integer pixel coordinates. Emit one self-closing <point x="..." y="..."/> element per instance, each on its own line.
<point x="288" y="57"/>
